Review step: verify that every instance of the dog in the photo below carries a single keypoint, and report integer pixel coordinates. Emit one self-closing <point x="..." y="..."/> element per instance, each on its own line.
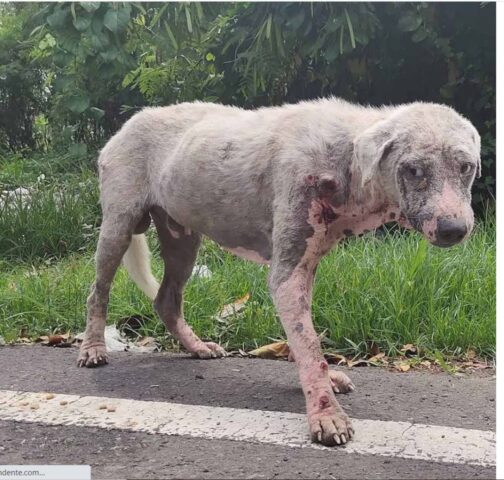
<point x="281" y="186"/>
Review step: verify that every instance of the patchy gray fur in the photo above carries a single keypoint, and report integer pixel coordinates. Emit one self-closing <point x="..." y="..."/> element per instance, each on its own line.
<point x="280" y="185"/>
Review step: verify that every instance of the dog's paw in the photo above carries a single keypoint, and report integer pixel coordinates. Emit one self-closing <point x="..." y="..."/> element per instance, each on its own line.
<point x="340" y="382"/>
<point x="209" y="350"/>
<point x="92" y="355"/>
<point x="330" y="427"/>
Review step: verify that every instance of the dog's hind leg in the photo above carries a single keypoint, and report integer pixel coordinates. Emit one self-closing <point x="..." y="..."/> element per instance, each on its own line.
<point x="179" y="248"/>
<point x="114" y="239"/>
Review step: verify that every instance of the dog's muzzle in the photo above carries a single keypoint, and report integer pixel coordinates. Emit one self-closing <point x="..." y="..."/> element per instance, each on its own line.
<point x="450" y="231"/>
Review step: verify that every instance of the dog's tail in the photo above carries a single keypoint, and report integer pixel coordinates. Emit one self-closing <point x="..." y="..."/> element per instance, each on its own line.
<point x="136" y="260"/>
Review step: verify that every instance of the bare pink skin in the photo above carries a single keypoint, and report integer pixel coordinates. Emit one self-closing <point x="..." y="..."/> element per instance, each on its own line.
<point x="192" y="343"/>
<point x="251" y="255"/>
<point x="327" y="420"/>
<point x="449" y="204"/>
<point x="340" y="382"/>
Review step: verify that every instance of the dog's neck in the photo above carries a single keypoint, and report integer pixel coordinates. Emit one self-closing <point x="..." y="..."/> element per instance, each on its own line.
<point x="366" y="209"/>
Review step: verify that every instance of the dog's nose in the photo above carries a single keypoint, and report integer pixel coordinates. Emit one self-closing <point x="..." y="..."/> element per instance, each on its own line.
<point x="450" y="230"/>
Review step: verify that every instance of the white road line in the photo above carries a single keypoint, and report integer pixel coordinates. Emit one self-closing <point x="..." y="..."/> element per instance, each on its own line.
<point x="373" y="437"/>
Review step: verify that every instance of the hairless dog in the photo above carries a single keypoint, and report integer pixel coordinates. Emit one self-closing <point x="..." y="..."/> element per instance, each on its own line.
<point x="281" y="186"/>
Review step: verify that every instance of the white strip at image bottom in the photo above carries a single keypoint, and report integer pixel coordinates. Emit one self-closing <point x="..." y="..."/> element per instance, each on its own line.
<point x="372" y="437"/>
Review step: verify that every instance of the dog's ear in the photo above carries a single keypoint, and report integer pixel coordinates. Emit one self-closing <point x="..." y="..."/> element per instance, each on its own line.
<point x="371" y="148"/>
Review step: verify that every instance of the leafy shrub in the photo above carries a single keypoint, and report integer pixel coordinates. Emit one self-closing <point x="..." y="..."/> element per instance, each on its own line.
<point x="101" y="61"/>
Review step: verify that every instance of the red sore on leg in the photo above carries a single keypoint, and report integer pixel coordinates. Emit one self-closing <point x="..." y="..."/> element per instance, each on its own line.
<point x="323" y="365"/>
<point x="323" y="402"/>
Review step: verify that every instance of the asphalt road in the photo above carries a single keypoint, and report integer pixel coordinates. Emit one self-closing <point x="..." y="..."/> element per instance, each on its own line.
<point x="234" y="383"/>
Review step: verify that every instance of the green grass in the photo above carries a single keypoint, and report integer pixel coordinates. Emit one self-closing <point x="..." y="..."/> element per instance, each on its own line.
<point x="388" y="289"/>
<point x="392" y="290"/>
<point x="60" y="214"/>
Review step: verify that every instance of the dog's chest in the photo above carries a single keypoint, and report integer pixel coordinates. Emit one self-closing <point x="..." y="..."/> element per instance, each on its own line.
<point x="360" y="221"/>
<point x="334" y="224"/>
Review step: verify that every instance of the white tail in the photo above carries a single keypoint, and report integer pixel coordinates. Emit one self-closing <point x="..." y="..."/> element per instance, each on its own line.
<point x="136" y="260"/>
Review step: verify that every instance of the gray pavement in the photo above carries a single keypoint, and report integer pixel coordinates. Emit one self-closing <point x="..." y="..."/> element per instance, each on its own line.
<point x="435" y="399"/>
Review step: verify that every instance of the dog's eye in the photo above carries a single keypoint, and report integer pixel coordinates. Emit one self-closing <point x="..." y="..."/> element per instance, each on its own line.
<point x="416" y="172"/>
<point x="466" y="168"/>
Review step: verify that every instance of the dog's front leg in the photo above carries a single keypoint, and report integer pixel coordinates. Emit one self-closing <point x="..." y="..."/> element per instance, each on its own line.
<point x="292" y="292"/>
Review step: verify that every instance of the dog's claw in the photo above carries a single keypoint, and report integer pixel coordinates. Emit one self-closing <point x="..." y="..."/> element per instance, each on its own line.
<point x="92" y="356"/>
<point x="340" y="382"/>
<point x="209" y="350"/>
<point x="337" y="439"/>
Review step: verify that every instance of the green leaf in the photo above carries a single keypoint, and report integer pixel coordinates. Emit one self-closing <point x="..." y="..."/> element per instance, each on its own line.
<point x="96" y="112"/>
<point x="139" y="7"/>
<point x="268" y="26"/>
<point x="78" y="103"/>
<point x="331" y="53"/>
<point x="72" y="9"/>
<point x="279" y="40"/>
<point x="109" y="54"/>
<point x="297" y="20"/>
<point x="210" y="57"/>
<point x="47" y="42"/>
<point x="350" y="29"/>
<point x="116" y="20"/>
<point x="409" y="22"/>
<point x="420" y="35"/>
<point x="36" y="30"/>
<point x="159" y="14"/>
<point x="57" y="19"/>
<point x="188" y="19"/>
<point x="341" y="39"/>
<point x="61" y="59"/>
<point x="170" y="34"/>
<point x="90" y="6"/>
<point x="82" y="23"/>
<point x="199" y="10"/>
<point x="61" y="83"/>
<point x="99" y="40"/>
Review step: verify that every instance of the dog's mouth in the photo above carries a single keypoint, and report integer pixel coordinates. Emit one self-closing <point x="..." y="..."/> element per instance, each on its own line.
<point x="443" y="231"/>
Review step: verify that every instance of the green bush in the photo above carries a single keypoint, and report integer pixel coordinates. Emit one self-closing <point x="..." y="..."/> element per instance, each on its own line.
<point x="101" y="61"/>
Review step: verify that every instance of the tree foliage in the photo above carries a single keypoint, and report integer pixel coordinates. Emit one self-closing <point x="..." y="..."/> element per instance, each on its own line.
<point x="85" y="67"/>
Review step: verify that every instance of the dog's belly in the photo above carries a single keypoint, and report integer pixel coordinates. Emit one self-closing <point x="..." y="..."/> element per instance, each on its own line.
<point x="246" y="236"/>
<point x="244" y="241"/>
<point x="251" y="255"/>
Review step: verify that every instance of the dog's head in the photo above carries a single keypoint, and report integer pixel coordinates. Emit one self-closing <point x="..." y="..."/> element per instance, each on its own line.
<point x="425" y="157"/>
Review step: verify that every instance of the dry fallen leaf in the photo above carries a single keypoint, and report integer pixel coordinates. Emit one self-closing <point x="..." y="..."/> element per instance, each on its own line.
<point x="471" y="354"/>
<point x="273" y="350"/>
<point x="146" y="342"/>
<point x="360" y="362"/>
<point x="102" y="407"/>
<point x="380" y="357"/>
<point x="55" y="339"/>
<point x="409" y="350"/>
<point x="232" y="308"/>
<point x="335" y="358"/>
<point x="49" y="396"/>
<point x="63" y="402"/>
<point x="403" y="367"/>
<point x="59" y="339"/>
